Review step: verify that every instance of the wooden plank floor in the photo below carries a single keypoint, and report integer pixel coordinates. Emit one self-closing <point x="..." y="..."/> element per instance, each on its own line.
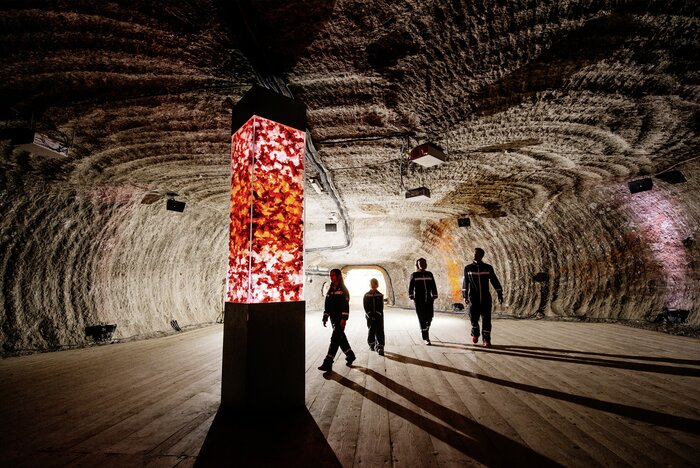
<point x="547" y="393"/>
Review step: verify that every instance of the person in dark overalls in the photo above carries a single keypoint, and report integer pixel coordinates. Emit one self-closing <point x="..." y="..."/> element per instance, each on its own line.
<point x="373" y="303"/>
<point x="423" y="291"/>
<point x="475" y="290"/>
<point x="337" y="308"/>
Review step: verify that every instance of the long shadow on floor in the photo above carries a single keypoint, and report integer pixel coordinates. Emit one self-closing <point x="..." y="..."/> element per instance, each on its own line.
<point x="679" y="423"/>
<point x="289" y="439"/>
<point x="475" y="440"/>
<point x="592" y="361"/>
<point x="538" y="349"/>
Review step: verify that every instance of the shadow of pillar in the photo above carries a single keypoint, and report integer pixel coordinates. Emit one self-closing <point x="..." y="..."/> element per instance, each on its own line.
<point x="288" y="439"/>
<point x="482" y="444"/>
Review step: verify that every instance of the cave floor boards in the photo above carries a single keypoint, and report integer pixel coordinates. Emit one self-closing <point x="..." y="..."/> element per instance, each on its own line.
<point x="547" y="393"/>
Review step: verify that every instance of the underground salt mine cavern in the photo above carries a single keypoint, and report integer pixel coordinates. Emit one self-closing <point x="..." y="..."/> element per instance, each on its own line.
<point x="196" y="196"/>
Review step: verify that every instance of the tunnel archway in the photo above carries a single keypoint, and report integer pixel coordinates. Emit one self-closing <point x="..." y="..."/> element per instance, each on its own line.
<point x="357" y="280"/>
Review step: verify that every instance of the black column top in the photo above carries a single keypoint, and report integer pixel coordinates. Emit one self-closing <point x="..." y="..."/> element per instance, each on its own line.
<point x="266" y="103"/>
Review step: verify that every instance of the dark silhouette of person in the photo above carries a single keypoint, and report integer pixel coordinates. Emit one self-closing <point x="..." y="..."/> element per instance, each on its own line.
<point x="475" y="290"/>
<point x="337" y="308"/>
<point x="423" y="291"/>
<point x="373" y="303"/>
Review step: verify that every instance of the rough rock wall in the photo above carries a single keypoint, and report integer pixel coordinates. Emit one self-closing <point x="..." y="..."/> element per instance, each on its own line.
<point x="315" y="289"/>
<point x="73" y="257"/>
<point x="606" y="253"/>
<point x="141" y="91"/>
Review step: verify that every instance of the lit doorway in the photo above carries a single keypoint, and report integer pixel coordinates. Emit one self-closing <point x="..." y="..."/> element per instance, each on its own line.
<point x="357" y="280"/>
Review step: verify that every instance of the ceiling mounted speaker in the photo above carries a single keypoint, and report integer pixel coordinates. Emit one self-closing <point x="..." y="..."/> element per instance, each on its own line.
<point x="428" y="155"/>
<point x="420" y="193"/>
<point x="672" y="177"/>
<point x="640" y="185"/>
<point x="174" y="205"/>
<point x="464" y="222"/>
<point x="331" y="227"/>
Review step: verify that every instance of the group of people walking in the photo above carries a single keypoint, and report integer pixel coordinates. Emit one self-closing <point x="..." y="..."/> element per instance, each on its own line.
<point x="422" y="290"/>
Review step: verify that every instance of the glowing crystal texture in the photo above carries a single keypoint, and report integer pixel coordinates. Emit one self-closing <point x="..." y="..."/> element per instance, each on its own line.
<point x="266" y="244"/>
<point x="663" y="224"/>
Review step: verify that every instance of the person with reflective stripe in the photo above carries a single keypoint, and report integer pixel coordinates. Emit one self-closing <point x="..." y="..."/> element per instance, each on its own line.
<point x="373" y="303"/>
<point x="337" y="308"/>
<point x="423" y="292"/>
<point x="475" y="290"/>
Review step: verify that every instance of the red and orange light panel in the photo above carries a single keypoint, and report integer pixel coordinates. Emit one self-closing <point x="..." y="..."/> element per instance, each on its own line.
<point x="266" y="243"/>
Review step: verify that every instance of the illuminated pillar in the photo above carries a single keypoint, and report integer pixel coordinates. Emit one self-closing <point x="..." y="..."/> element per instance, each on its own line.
<point x="264" y="320"/>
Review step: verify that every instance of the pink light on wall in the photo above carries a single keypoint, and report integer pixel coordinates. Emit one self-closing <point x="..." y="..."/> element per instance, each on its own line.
<point x="661" y="222"/>
<point x="266" y="243"/>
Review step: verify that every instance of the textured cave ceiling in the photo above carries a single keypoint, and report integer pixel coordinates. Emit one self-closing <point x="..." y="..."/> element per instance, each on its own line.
<point x="545" y="110"/>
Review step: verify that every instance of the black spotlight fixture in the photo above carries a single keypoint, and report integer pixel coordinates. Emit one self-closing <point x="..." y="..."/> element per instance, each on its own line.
<point x="175" y="205"/>
<point x="464" y="222"/>
<point x="672" y="177"/>
<point x="641" y="185"/>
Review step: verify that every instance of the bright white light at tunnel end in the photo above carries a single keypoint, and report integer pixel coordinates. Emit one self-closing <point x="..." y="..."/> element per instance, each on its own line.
<point x="357" y="280"/>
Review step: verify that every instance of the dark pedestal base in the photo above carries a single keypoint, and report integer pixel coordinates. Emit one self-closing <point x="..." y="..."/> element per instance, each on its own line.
<point x="263" y="361"/>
